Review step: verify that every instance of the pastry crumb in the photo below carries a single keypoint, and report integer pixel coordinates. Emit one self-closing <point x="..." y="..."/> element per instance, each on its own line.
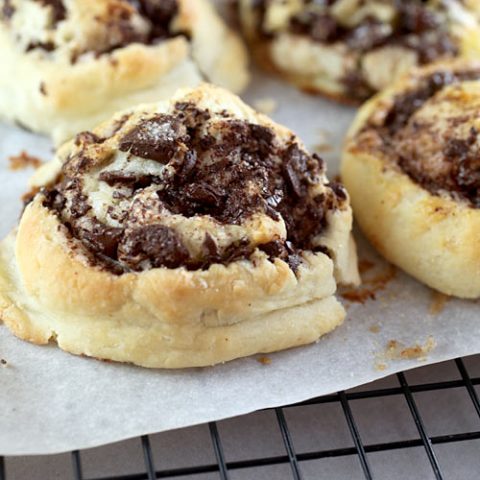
<point x="375" y="278"/>
<point x="264" y="360"/>
<point x="24" y="160"/>
<point x="374" y="328"/>
<point x="359" y="295"/>
<point x="267" y="106"/>
<point x="438" y="302"/>
<point x="398" y="351"/>
<point x="381" y="366"/>
<point x="365" y="265"/>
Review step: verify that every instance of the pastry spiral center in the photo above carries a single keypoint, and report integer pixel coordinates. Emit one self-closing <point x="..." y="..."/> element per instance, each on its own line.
<point x="79" y="30"/>
<point x="432" y="131"/>
<point x="416" y="32"/>
<point x="192" y="188"/>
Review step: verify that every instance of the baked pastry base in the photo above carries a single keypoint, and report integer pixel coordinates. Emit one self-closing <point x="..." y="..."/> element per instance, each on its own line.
<point x="147" y="344"/>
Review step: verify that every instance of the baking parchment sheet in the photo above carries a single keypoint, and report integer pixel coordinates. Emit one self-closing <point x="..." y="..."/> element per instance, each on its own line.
<point x="51" y="401"/>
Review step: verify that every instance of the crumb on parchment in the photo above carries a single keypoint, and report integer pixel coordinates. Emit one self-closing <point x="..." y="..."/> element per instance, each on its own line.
<point x="264" y="360"/>
<point x="381" y="366"/>
<point x="365" y="265"/>
<point x="267" y="106"/>
<point x="375" y="278"/>
<point x="438" y="302"/>
<point x="374" y="328"/>
<point x="396" y="350"/>
<point x="24" y="160"/>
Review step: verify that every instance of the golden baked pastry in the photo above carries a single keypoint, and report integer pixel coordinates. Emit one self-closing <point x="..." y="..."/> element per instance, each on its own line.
<point x="67" y="65"/>
<point x="179" y="234"/>
<point x="412" y="167"/>
<point x="349" y="49"/>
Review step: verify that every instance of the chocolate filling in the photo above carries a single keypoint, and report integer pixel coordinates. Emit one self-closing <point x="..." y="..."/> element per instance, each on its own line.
<point x="415" y="27"/>
<point x="227" y="170"/>
<point x="160" y="13"/>
<point x="121" y="29"/>
<point x="403" y="138"/>
<point x="57" y="7"/>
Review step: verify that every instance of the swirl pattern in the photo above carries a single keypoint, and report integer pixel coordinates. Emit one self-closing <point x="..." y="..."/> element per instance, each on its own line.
<point x="182" y="233"/>
<point x="350" y="49"/>
<point x="411" y="165"/>
<point x="192" y="187"/>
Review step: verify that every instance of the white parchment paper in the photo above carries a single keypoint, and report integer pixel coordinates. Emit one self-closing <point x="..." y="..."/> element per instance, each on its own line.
<point x="51" y="401"/>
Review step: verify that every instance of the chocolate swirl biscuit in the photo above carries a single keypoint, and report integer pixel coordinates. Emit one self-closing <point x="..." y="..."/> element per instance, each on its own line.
<point x="349" y="49"/>
<point x="190" y="188"/>
<point x="415" y="149"/>
<point x="182" y="233"/>
<point x="80" y="61"/>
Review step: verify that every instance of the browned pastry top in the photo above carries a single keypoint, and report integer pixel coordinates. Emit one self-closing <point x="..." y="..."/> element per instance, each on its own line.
<point x="169" y="169"/>
<point x="412" y="24"/>
<point x="111" y="24"/>
<point x="431" y="131"/>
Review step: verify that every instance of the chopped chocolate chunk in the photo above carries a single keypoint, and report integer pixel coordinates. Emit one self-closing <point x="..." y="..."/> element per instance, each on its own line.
<point x="102" y="239"/>
<point x="415" y="17"/>
<point x="157" y="245"/>
<point x="185" y="166"/>
<point x="57" y="7"/>
<point x="160" y="13"/>
<point x="296" y="170"/>
<point x="154" y="139"/>
<point x="132" y="180"/>
<point x="321" y="27"/>
<point x="284" y="250"/>
<point x="237" y="250"/>
<point x="47" y="46"/>
<point x="339" y="190"/>
<point x="79" y="205"/>
<point x="54" y="200"/>
<point x="210" y="246"/>
<point x="85" y="138"/>
<point x="369" y="35"/>
<point x="356" y="86"/>
<point x="227" y="170"/>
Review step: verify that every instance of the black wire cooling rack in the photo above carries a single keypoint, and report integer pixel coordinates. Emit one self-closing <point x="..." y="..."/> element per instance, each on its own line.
<point x="360" y="450"/>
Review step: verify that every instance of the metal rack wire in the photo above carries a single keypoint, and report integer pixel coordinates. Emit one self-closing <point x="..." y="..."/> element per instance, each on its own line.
<point x="294" y="459"/>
